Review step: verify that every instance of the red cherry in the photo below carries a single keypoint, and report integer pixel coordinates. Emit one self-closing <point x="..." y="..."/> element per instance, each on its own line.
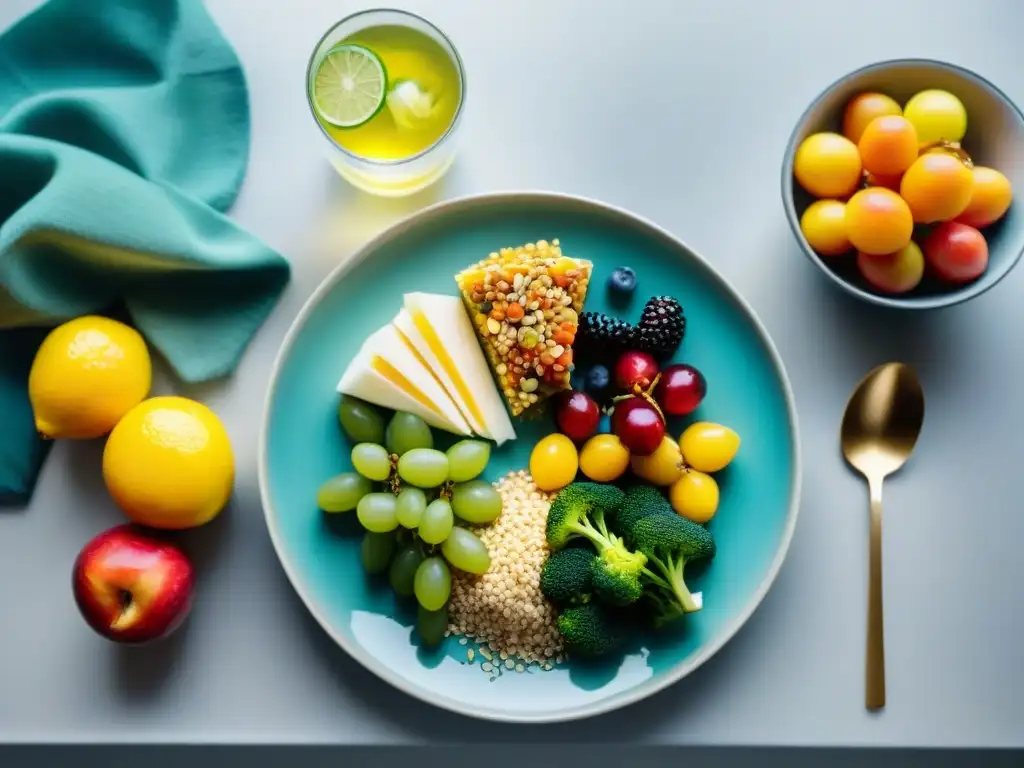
<point x="635" y="369"/>
<point x="680" y="390"/>
<point x="578" y="416"/>
<point x="637" y="423"/>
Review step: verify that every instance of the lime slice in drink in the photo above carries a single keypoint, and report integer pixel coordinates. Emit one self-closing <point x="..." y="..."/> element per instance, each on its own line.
<point x="349" y="86"/>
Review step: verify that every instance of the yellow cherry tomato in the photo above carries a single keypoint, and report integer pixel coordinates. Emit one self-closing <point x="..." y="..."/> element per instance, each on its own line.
<point x="694" y="496"/>
<point x="824" y="226"/>
<point x="937" y="116"/>
<point x="708" y="447"/>
<point x="553" y="462"/>
<point x="827" y="165"/>
<point x="604" y="458"/>
<point x="661" y="468"/>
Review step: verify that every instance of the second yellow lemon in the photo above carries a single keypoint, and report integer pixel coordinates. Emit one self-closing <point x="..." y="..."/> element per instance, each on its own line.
<point x="87" y="374"/>
<point x="169" y="464"/>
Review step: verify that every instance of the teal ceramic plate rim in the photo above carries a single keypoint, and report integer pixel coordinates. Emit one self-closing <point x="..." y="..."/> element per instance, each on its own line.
<point x="554" y="199"/>
<point x="950" y="299"/>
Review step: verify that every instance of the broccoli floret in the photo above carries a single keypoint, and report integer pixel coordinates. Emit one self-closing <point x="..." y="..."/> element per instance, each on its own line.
<point x="569" y="512"/>
<point x="670" y="542"/>
<point x="616" y="574"/>
<point x="579" y="511"/>
<point x="566" y="578"/>
<point x="589" y="631"/>
<point x="640" y="501"/>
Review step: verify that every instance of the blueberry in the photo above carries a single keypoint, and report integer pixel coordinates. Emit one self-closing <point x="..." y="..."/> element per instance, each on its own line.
<point x="622" y="281"/>
<point x="597" y="381"/>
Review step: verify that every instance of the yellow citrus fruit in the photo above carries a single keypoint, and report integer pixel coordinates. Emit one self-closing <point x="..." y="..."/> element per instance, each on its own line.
<point x="169" y="464"/>
<point x="86" y="375"/>
<point x="604" y="458"/>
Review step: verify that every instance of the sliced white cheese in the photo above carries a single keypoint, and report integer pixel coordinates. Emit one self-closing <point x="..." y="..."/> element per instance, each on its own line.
<point x="442" y="333"/>
<point x="388" y="373"/>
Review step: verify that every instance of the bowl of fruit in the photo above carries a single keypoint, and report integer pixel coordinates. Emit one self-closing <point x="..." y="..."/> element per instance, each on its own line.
<point x="898" y="183"/>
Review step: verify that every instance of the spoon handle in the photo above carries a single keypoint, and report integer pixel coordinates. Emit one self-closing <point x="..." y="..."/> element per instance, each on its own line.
<point x="875" y="688"/>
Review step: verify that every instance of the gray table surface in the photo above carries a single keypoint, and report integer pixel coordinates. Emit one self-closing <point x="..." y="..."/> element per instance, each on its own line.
<point x="680" y="111"/>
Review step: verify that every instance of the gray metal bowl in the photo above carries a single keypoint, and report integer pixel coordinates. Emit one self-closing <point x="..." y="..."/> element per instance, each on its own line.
<point x="995" y="137"/>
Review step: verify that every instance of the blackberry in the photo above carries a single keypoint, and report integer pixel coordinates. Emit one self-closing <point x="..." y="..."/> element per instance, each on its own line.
<point x="662" y="326"/>
<point x="601" y="338"/>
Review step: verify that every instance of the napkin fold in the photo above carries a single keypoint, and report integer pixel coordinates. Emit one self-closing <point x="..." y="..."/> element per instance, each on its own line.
<point x="124" y="135"/>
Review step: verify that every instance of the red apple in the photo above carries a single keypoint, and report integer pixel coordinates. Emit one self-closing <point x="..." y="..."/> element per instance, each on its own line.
<point x="132" y="588"/>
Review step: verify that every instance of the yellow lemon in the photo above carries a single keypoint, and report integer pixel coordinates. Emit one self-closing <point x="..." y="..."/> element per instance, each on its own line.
<point x="86" y="375"/>
<point x="169" y="464"/>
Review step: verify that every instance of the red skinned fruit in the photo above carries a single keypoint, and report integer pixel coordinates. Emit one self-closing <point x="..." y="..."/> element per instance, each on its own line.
<point x="577" y="416"/>
<point x="957" y="253"/>
<point x="680" y="389"/>
<point x="131" y="587"/>
<point x="634" y="370"/>
<point x="638" y="424"/>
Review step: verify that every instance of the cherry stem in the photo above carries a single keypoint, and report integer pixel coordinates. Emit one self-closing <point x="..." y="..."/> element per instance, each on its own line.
<point x="646" y="394"/>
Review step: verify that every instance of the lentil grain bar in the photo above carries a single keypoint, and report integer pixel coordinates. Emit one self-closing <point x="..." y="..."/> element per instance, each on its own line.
<point x="525" y="304"/>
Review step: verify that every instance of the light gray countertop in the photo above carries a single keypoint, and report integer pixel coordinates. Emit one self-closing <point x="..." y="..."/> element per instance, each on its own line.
<point x="678" y="110"/>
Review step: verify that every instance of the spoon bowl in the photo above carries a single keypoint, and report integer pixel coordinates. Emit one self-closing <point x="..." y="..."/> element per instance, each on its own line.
<point x="880" y="428"/>
<point x="883" y="420"/>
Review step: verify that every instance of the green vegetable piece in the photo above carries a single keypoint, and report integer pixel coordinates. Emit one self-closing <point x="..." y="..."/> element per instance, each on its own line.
<point x="580" y="510"/>
<point x="590" y="631"/>
<point x="566" y="578"/>
<point x="669" y="543"/>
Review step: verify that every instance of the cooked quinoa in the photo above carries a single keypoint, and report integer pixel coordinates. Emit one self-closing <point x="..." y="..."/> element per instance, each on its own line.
<point x="504" y="610"/>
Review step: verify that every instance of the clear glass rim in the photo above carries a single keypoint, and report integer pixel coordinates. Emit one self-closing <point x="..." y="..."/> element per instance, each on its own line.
<point x="458" y="66"/>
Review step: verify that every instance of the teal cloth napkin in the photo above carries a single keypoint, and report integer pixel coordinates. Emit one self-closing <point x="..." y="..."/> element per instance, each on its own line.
<point x="124" y="134"/>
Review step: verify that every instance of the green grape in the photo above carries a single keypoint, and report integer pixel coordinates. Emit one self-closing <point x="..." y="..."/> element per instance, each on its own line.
<point x="342" y="492"/>
<point x="423" y="467"/>
<point x="466" y="552"/>
<point x="402" y="573"/>
<point x="360" y="421"/>
<point x="431" y="626"/>
<point x="407" y="431"/>
<point x="371" y="461"/>
<point x="467" y="459"/>
<point x="437" y="522"/>
<point x="376" y="551"/>
<point x="476" y="502"/>
<point x="412" y="502"/>
<point x="378" y="512"/>
<point x="432" y="584"/>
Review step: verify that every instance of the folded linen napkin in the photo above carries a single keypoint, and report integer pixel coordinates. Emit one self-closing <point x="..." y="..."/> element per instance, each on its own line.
<point x="124" y="134"/>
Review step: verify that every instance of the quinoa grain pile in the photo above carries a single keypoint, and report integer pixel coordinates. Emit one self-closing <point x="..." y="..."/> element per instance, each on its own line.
<point x="504" y="610"/>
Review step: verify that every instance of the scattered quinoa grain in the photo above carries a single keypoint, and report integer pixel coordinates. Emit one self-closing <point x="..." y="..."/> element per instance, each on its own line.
<point x="504" y="610"/>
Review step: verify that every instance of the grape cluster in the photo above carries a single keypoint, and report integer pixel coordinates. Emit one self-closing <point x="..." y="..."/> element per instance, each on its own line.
<point x="413" y="502"/>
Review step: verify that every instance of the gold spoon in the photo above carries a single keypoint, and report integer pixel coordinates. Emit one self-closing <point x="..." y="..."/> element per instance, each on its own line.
<point x="880" y="426"/>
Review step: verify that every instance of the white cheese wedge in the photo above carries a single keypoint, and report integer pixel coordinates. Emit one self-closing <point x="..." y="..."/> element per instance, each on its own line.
<point x="440" y="330"/>
<point x="388" y="373"/>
